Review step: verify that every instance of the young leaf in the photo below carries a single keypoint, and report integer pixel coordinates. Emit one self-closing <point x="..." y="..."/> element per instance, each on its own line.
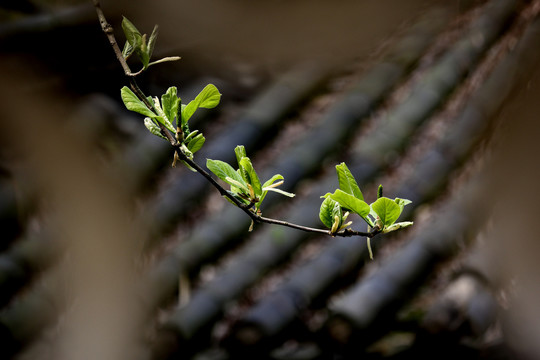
<point x="252" y="177"/>
<point x="128" y="50"/>
<point x="170" y="103"/>
<point x="350" y="202"/>
<point x="142" y="52"/>
<point x="161" y="117"/>
<point x="223" y="171"/>
<point x="402" y="202"/>
<point x="337" y="213"/>
<point x="240" y="152"/>
<point x="132" y="102"/>
<point x="152" y="41"/>
<point x="326" y="212"/>
<point x="165" y="59"/>
<point x="380" y="192"/>
<point x="153" y="128"/>
<point x="196" y="143"/>
<point x="191" y="135"/>
<point x="279" y="191"/>
<point x="397" y="226"/>
<point x="347" y="182"/>
<point x="387" y="209"/>
<point x="133" y="36"/>
<point x="208" y="98"/>
<point x="269" y="185"/>
<point x="237" y="184"/>
<point x="271" y="181"/>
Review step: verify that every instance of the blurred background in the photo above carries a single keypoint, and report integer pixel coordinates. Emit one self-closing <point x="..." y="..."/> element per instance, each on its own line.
<point x="109" y="252"/>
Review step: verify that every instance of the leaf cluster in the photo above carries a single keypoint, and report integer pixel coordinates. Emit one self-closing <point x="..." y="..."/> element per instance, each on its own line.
<point x="173" y="115"/>
<point x="244" y="182"/>
<point x="168" y="118"/>
<point x="380" y="215"/>
<point x="141" y="45"/>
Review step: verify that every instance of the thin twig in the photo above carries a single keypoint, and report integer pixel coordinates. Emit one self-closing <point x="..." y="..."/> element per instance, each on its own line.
<point x="261" y="219"/>
<point x="108" y="30"/>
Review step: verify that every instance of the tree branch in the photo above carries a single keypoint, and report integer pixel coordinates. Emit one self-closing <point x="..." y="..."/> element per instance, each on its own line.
<point x="261" y="219"/>
<point x="108" y="30"/>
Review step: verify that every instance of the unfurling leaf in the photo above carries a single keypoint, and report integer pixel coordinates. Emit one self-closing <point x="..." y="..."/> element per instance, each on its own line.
<point x="238" y="184"/>
<point x="152" y="40"/>
<point x="250" y="176"/>
<point x="132" y="102"/>
<point x="153" y="128"/>
<point x="335" y="225"/>
<point x="402" y="202"/>
<point x="326" y="212"/>
<point x="347" y="182"/>
<point x="133" y="35"/>
<point x="279" y="191"/>
<point x="223" y="171"/>
<point x="170" y="103"/>
<point x="397" y="226"/>
<point x="196" y="143"/>
<point x="142" y="52"/>
<point x="165" y="59"/>
<point x="240" y="152"/>
<point x="270" y="182"/>
<point x="128" y="50"/>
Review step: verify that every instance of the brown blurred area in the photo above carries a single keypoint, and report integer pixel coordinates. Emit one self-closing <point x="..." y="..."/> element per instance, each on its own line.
<point x="53" y="57"/>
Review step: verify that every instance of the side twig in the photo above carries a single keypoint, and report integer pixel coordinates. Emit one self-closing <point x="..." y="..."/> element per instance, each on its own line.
<point x="109" y="32"/>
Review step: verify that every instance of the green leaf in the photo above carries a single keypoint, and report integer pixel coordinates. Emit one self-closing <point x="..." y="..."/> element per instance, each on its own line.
<point x="186" y="151"/>
<point x="153" y="128"/>
<point x="237" y="184"/>
<point x="347" y="182"/>
<point x="350" y="202"/>
<point x="380" y="192"/>
<point x="128" y="50"/>
<point x="282" y="192"/>
<point x="132" y="102"/>
<point x="170" y="103"/>
<point x="196" y="143"/>
<point x="252" y="177"/>
<point x="208" y="98"/>
<point x="152" y="40"/>
<point x="272" y="180"/>
<point x="133" y="36"/>
<point x="402" y="202"/>
<point x="397" y="226"/>
<point x="191" y="135"/>
<point x="326" y="212"/>
<point x="269" y="185"/>
<point x="165" y="59"/>
<point x="142" y="52"/>
<point x="240" y="152"/>
<point x="387" y="210"/>
<point x="223" y="171"/>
